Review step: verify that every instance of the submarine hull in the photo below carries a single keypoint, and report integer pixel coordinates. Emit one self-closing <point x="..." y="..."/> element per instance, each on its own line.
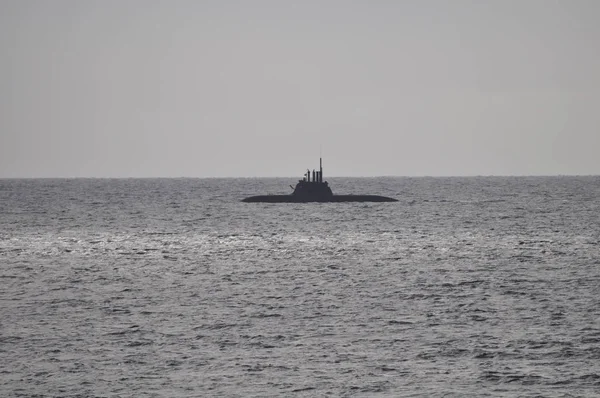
<point x="329" y="199"/>
<point x="310" y="190"/>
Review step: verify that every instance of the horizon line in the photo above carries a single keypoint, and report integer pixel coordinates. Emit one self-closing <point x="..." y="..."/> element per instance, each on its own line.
<point x="278" y="177"/>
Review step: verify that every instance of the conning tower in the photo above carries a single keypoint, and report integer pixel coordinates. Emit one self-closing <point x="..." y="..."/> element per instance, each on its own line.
<point x="315" y="188"/>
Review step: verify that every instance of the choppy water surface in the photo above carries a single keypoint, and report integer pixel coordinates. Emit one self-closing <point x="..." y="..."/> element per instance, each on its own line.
<point x="174" y="288"/>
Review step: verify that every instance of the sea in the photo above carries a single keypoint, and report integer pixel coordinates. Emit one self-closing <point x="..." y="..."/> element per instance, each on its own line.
<point x="465" y="287"/>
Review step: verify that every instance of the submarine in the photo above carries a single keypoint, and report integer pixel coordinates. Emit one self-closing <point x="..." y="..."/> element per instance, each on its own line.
<point x="315" y="190"/>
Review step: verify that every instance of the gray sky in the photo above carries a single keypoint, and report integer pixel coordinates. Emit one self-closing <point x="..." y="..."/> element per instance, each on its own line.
<point x="148" y="88"/>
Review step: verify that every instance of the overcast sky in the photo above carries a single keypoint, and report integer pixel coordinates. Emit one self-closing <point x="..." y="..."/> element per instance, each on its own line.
<point x="198" y="88"/>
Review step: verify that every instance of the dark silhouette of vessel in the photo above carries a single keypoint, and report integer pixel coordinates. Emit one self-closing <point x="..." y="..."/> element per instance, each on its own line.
<point x="315" y="190"/>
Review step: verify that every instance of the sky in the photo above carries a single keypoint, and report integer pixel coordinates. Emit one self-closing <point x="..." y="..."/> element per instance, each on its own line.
<point x="226" y="88"/>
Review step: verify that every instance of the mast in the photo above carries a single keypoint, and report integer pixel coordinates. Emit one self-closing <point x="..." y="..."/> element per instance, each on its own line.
<point x="320" y="169"/>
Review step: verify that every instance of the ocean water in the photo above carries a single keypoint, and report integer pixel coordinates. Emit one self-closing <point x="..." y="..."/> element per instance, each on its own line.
<point x="174" y="288"/>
